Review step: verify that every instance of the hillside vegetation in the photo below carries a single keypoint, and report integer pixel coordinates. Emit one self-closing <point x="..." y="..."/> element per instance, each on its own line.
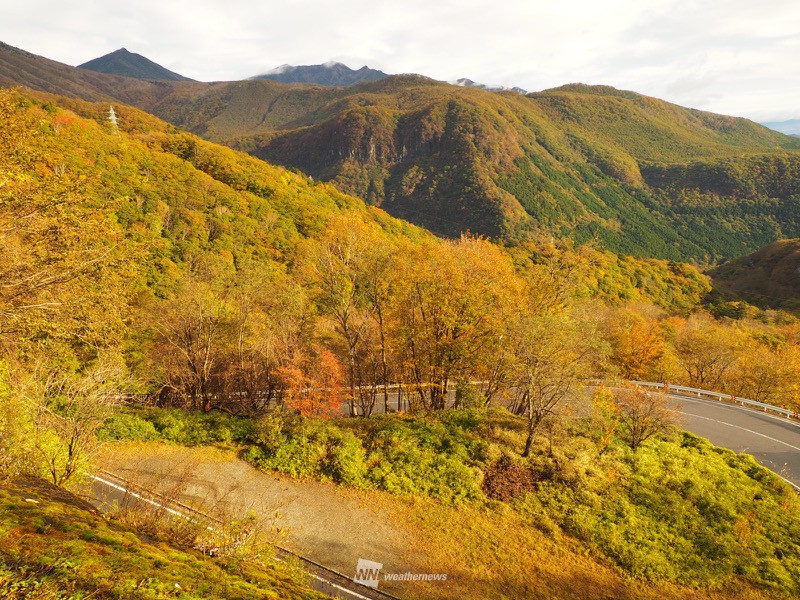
<point x="636" y="174"/>
<point x="582" y="161"/>
<point x="56" y="546"/>
<point x="143" y="263"/>
<point x="768" y="277"/>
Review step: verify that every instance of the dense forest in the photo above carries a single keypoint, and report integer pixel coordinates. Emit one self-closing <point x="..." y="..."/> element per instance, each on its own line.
<point x="156" y="286"/>
<point x="141" y="259"/>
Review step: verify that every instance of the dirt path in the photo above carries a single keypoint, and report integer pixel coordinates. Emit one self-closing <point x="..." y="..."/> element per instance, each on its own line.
<point x="326" y="523"/>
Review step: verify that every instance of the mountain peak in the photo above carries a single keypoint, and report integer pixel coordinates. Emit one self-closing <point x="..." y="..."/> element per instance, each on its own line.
<point x="464" y="82"/>
<point x="331" y="73"/>
<point x="129" y="64"/>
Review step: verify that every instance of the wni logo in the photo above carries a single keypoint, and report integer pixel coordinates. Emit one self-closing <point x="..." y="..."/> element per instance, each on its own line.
<point x="368" y="572"/>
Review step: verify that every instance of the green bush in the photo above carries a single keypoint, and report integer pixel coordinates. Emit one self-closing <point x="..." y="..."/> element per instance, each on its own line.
<point x="178" y="426"/>
<point x="678" y="510"/>
<point x="403" y="455"/>
<point x="345" y="460"/>
<point x="124" y="426"/>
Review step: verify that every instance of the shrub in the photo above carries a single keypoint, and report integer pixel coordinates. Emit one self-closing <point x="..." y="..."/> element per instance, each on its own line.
<point x="194" y="428"/>
<point x="505" y="480"/>
<point x="123" y="426"/>
<point x="345" y="460"/>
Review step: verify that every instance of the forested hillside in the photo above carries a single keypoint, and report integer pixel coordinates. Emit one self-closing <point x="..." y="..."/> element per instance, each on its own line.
<point x="189" y="266"/>
<point x="635" y="174"/>
<point x="145" y="264"/>
<point x="769" y="277"/>
<point x="161" y="263"/>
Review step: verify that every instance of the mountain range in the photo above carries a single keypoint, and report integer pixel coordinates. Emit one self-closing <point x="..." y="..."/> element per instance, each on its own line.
<point x="492" y="88"/>
<point x="128" y="64"/>
<point x="790" y="127"/>
<point x="330" y="73"/>
<point x="636" y="174"/>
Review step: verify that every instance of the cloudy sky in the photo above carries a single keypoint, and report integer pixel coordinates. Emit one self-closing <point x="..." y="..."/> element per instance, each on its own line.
<point x="736" y="57"/>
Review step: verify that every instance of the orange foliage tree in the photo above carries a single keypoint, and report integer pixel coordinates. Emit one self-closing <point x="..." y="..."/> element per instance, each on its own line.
<point x="313" y="386"/>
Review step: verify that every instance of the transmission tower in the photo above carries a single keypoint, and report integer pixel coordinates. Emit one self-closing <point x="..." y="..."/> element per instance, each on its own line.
<point x="112" y="117"/>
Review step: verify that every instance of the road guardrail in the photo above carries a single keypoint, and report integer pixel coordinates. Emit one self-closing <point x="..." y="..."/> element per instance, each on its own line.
<point x="690" y="391"/>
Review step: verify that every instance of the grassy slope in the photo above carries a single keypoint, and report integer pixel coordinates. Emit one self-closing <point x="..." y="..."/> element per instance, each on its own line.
<point x="680" y="517"/>
<point x="55" y="546"/>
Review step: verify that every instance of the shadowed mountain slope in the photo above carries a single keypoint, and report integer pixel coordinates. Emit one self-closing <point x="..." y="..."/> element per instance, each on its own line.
<point x="768" y="277"/>
<point x="129" y="64"/>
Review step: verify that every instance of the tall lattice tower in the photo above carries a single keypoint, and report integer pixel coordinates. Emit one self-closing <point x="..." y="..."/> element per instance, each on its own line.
<point x="112" y="118"/>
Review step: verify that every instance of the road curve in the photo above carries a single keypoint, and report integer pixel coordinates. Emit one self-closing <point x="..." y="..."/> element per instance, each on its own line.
<point x="773" y="441"/>
<point x="109" y="492"/>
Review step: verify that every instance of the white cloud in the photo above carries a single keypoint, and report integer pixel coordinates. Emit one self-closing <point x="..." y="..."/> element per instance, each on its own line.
<point x="731" y="56"/>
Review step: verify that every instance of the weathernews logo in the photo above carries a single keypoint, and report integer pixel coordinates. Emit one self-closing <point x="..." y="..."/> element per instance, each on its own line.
<point x="368" y="573"/>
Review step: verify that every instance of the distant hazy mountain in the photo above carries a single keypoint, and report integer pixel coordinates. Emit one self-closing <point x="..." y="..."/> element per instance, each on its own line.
<point x="790" y="127"/>
<point x="330" y="73"/>
<point x="464" y="82"/>
<point x="130" y="64"/>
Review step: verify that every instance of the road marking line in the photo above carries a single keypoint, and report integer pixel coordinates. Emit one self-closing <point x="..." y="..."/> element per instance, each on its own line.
<point x="739" y="427"/>
<point x="351" y="593"/>
<point x="717" y="404"/>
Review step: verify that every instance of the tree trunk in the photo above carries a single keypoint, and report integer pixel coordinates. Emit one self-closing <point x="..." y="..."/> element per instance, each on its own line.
<point x="528" y="443"/>
<point x="533" y="423"/>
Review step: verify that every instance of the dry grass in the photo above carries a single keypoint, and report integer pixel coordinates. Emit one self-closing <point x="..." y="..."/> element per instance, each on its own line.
<point x="132" y="452"/>
<point x="486" y="551"/>
<point x="495" y="554"/>
<point x="54" y="546"/>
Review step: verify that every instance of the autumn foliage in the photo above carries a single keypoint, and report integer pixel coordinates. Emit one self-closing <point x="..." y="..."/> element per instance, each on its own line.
<point x="314" y="387"/>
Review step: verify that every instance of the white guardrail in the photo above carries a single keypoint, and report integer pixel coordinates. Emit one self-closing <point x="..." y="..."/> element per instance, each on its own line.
<point x="689" y="391"/>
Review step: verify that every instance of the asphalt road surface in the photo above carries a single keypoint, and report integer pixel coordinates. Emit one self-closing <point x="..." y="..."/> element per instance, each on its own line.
<point x="773" y="441"/>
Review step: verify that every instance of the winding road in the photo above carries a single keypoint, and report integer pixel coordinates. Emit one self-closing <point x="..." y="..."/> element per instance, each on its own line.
<point x="774" y="441"/>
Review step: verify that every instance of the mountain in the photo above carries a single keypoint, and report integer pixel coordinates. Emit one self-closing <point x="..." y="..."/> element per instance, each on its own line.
<point x="21" y="68"/>
<point x="633" y="173"/>
<point x="330" y="73"/>
<point x="128" y="64"/>
<point x="790" y="127"/>
<point x="18" y="67"/>
<point x="492" y="88"/>
<point x="768" y="277"/>
<point x="637" y="174"/>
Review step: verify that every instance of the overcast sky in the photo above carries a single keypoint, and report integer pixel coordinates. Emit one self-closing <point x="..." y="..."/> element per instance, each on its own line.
<point x="738" y="57"/>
